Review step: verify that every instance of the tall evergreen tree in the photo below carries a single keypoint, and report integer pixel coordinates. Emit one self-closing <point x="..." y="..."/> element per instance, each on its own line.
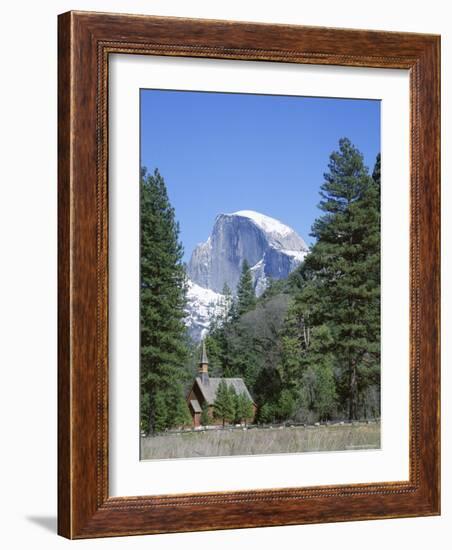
<point x="291" y="350"/>
<point x="228" y="302"/>
<point x="318" y="383"/>
<point x="243" y="408"/>
<point x="246" y="297"/>
<point x="205" y="418"/>
<point x="342" y="272"/>
<point x="224" y="405"/>
<point x="162" y="302"/>
<point x="306" y="369"/>
<point x="376" y="174"/>
<point x="216" y="341"/>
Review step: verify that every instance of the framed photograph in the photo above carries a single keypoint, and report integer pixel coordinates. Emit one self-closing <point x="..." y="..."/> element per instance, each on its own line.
<point x="248" y="275"/>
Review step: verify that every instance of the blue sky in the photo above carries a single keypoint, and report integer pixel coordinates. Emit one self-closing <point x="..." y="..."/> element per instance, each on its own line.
<point x="220" y="153"/>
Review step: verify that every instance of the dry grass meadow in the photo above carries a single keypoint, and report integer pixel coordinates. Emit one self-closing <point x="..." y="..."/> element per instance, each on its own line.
<point x="230" y="442"/>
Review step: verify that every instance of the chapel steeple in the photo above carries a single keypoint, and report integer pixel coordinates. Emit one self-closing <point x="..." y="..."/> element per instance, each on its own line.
<point x="203" y="369"/>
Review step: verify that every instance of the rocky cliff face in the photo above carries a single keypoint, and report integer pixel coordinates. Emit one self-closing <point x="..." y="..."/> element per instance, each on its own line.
<point x="271" y="248"/>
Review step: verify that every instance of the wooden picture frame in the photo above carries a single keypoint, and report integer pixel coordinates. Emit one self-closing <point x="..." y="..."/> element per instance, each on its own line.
<point x="85" y="42"/>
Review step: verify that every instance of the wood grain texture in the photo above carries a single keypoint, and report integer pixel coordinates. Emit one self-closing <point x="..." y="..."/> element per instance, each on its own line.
<point x="64" y="294"/>
<point x="85" y="42"/>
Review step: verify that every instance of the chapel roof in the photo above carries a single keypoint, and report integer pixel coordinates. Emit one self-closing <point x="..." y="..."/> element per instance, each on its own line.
<point x="195" y="405"/>
<point x="209" y="387"/>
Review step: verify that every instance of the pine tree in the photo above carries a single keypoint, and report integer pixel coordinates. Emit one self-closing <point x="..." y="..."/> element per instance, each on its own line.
<point x="214" y="345"/>
<point x="266" y="413"/>
<point x="205" y="418"/>
<point x="290" y="369"/>
<point x="342" y="272"/>
<point x="247" y="409"/>
<point x="376" y="174"/>
<point x="224" y="403"/>
<point x="318" y="383"/>
<point x="285" y="405"/>
<point x="162" y="302"/>
<point x="216" y="341"/>
<point x="234" y="403"/>
<point x="228" y="301"/>
<point x="246" y="298"/>
<point x="243" y="408"/>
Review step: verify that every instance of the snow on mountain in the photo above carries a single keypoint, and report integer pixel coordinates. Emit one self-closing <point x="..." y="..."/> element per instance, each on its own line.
<point x="259" y="277"/>
<point x="271" y="226"/>
<point x="298" y="255"/>
<point x="203" y="304"/>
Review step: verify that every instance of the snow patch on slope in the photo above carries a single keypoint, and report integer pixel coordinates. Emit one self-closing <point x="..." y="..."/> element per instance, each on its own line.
<point x="259" y="278"/>
<point x="203" y="304"/>
<point x="298" y="255"/>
